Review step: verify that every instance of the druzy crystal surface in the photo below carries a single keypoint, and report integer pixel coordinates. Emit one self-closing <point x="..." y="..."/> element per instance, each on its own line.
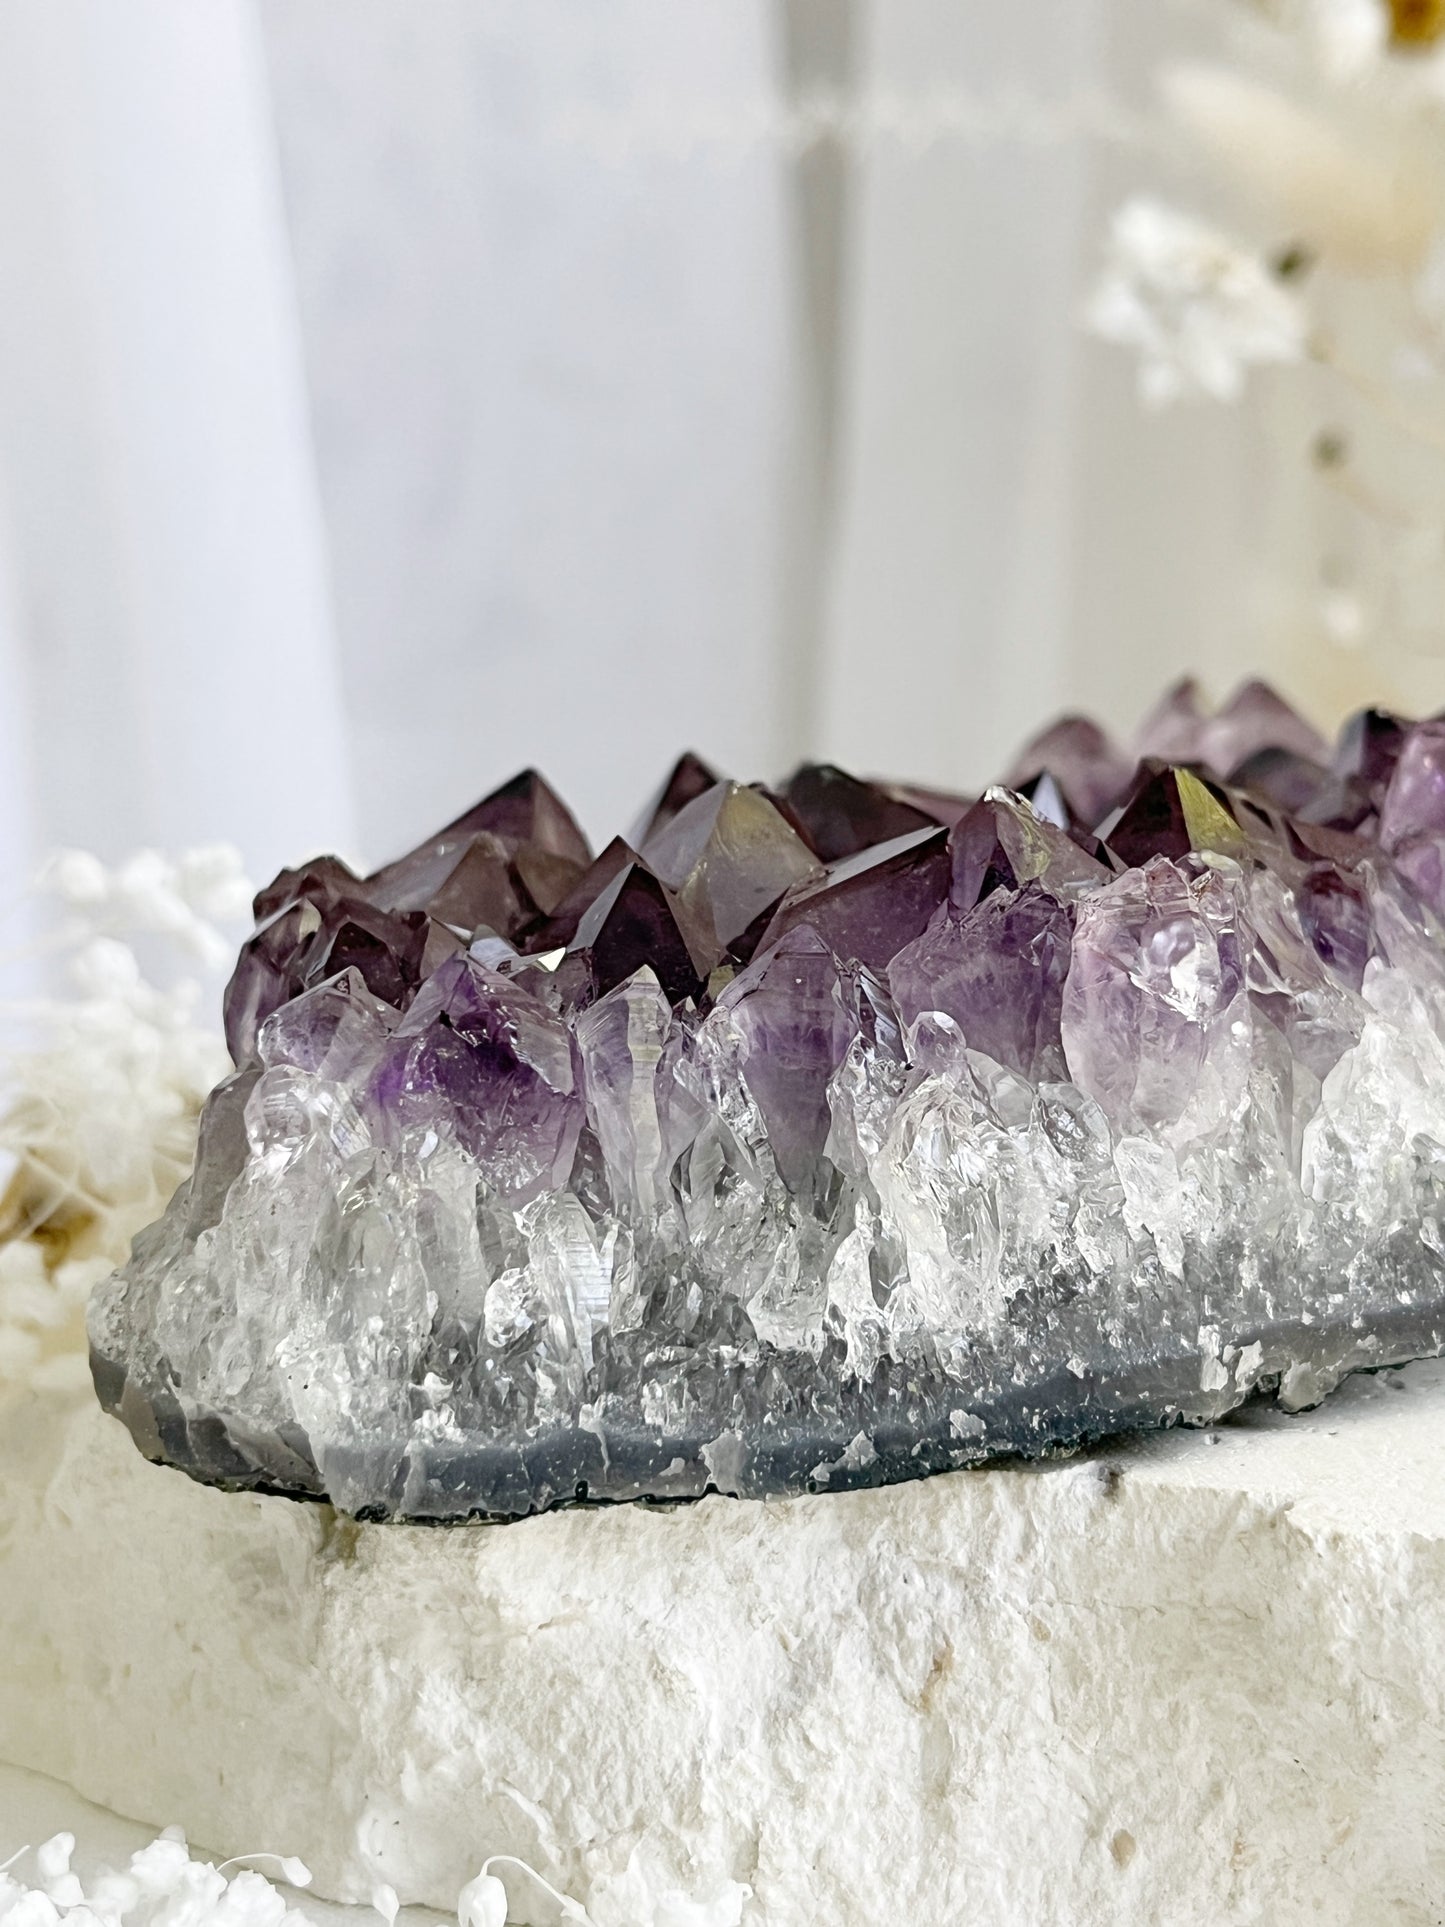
<point x="816" y="1136"/>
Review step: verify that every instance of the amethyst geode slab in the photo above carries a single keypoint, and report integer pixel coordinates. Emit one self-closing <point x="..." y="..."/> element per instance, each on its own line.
<point x="819" y="1136"/>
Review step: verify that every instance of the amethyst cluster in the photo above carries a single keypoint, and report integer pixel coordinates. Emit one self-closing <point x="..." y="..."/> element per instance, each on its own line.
<point x="816" y="1136"/>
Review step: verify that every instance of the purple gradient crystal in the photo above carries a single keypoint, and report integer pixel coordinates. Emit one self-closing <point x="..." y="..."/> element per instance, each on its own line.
<point x="1253" y="719"/>
<point x="1173" y="731"/>
<point x="841" y="815"/>
<point x="1368" y="748"/>
<point x="1414" y="803"/>
<point x="1169" y="813"/>
<point x="332" y="1031"/>
<point x="998" y="971"/>
<point x="790" y="1012"/>
<point x="1335" y="915"/>
<point x="479" y="1057"/>
<point x="728" y="857"/>
<point x="469" y="884"/>
<point x="304" y="944"/>
<point x="503" y="866"/>
<point x="558" y="930"/>
<point x="867" y="907"/>
<point x="1283" y="778"/>
<point x="548" y="1177"/>
<point x="265" y="975"/>
<point x="1002" y="843"/>
<point x="1152" y="1015"/>
<point x="526" y="810"/>
<point x="387" y="950"/>
<point x="320" y="881"/>
<point x="1092" y="774"/>
<point x="634" y="924"/>
<point x="687" y="779"/>
<point x="1412" y="814"/>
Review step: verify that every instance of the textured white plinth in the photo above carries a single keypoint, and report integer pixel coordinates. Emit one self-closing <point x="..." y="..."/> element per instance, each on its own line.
<point x="1178" y="1681"/>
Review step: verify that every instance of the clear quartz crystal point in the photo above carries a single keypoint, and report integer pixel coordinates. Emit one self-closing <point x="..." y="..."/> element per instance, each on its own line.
<point x="816" y="1137"/>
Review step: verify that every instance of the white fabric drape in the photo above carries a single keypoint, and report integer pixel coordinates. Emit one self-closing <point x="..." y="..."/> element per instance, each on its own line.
<point x="391" y="396"/>
<point x="550" y="387"/>
<point x="949" y="598"/>
<point x="179" y="665"/>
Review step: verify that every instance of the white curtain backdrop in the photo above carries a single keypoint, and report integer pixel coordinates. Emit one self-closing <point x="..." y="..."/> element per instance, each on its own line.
<point x="391" y="396"/>
<point x="176" y="666"/>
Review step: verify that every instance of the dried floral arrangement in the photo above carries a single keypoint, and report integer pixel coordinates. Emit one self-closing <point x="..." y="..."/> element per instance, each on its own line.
<point x="1319" y="139"/>
<point x="104" y="1082"/>
<point x="165" y="1885"/>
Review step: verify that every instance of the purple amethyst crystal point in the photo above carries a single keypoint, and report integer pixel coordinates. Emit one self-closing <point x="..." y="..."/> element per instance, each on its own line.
<point x="1170" y="813"/>
<point x="1092" y="774"/>
<point x="466" y="883"/>
<point x="842" y="816"/>
<point x="1173" y="731"/>
<point x="322" y="880"/>
<point x="304" y="944"/>
<point x="387" y="950"/>
<point x="332" y="1031"/>
<point x="706" y="1164"/>
<point x="867" y="907"/>
<point x="504" y="865"/>
<point x="998" y="971"/>
<point x="1284" y="779"/>
<point x="527" y="811"/>
<point x="728" y="858"/>
<point x="265" y="976"/>
<point x="787" y="1016"/>
<point x="1368" y="748"/>
<point x="634" y="924"/>
<point x="1412" y="814"/>
<point x="686" y="781"/>
<point x="1414" y="802"/>
<point x="1155" y="1012"/>
<point x="1257" y="718"/>
<point x="1003" y="843"/>
<point x="479" y="1059"/>
<point x="558" y="929"/>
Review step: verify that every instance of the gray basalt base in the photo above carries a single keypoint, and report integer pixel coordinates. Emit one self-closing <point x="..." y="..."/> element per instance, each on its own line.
<point x="1197" y="1677"/>
<point x="898" y="1429"/>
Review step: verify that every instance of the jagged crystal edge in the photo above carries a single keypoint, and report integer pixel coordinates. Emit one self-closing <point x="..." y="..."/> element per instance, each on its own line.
<point x="1051" y="1281"/>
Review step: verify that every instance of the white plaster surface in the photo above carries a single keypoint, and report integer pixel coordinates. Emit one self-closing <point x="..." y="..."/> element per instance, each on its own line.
<point x="1175" y="1681"/>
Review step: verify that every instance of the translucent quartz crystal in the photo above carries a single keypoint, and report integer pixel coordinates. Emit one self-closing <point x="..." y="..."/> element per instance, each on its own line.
<point x="818" y="1136"/>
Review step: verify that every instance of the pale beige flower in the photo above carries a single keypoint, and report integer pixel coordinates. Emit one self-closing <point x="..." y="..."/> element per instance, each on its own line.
<point x="1358" y="188"/>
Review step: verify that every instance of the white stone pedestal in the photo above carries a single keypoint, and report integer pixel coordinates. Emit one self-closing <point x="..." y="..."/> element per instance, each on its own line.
<point x="1177" y="1681"/>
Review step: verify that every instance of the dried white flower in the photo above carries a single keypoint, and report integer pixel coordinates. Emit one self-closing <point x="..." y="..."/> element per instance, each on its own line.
<point x="182" y="898"/>
<point x="482" y="1902"/>
<point x="164" y="1887"/>
<point x="100" y="1112"/>
<point x="212" y="879"/>
<point x="1199" y="307"/>
<point x="76" y="876"/>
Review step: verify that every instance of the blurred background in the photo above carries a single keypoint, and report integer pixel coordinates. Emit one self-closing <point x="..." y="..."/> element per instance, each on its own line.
<point x="393" y="395"/>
